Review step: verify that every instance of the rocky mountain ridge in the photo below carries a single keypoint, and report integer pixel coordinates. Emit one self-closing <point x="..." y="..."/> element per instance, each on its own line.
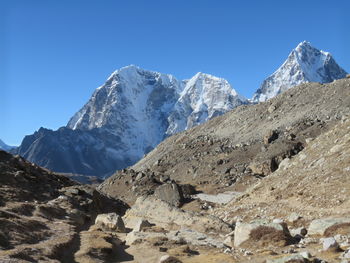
<point x="136" y="109"/>
<point x="126" y="118"/>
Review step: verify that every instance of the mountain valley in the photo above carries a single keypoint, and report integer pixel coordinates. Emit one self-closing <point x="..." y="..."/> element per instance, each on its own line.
<point x="263" y="183"/>
<point x="156" y="170"/>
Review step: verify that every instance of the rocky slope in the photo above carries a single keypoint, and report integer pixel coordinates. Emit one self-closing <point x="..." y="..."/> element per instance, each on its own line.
<point x="42" y="213"/>
<point x="304" y="64"/>
<point x="216" y="149"/>
<point x="126" y="118"/>
<point x="273" y="189"/>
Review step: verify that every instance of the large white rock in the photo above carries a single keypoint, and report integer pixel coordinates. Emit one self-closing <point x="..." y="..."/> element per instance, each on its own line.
<point x="328" y="226"/>
<point x="141" y="225"/>
<point x="261" y="234"/>
<point x="110" y="222"/>
<point x="330" y="244"/>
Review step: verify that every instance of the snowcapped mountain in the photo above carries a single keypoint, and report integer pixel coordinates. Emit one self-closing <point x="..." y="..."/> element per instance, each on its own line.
<point x="203" y="98"/>
<point x="126" y="118"/>
<point x="133" y="106"/>
<point x="304" y="64"/>
<point x="5" y="147"/>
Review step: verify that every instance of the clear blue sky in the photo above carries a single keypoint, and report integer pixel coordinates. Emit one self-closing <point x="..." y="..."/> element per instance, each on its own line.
<point x="54" y="53"/>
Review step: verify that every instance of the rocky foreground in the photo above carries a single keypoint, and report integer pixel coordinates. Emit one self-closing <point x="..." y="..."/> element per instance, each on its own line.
<point x="262" y="183"/>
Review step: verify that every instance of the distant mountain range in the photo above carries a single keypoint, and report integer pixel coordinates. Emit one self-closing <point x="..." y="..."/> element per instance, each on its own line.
<point x="5" y="147"/>
<point x="136" y="109"/>
<point x="126" y="118"/>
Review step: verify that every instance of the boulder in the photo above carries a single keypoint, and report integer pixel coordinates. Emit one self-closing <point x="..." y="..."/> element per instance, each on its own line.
<point x="110" y="222"/>
<point x="294" y="217"/>
<point x="229" y="241"/>
<point x="262" y="168"/>
<point x="105" y="204"/>
<point x="270" y="136"/>
<point x="329" y="226"/>
<point x="187" y="190"/>
<point x="141" y="225"/>
<point x="170" y="193"/>
<point x="330" y="244"/>
<point x="305" y="254"/>
<point x="261" y="234"/>
<point x="301" y="231"/>
<point x="346" y="254"/>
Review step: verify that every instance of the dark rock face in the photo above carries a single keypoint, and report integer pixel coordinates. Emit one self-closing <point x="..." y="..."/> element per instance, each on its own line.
<point x="74" y="151"/>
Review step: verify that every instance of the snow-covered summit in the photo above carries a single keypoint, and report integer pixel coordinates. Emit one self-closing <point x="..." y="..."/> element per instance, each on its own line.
<point x="139" y="108"/>
<point x="204" y="97"/>
<point x="304" y="64"/>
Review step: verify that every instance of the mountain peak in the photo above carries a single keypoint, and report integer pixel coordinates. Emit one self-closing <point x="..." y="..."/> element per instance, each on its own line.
<point x="307" y="53"/>
<point x="127" y="70"/>
<point x="303" y="44"/>
<point x="304" y="64"/>
<point x="206" y="75"/>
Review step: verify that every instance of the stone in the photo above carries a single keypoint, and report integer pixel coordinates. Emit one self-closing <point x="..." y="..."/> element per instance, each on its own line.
<point x="169" y="259"/>
<point x="139" y="176"/>
<point x="284" y="164"/>
<point x="261" y="168"/>
<point x="141" y="225"/>
<point x="110" y="222"/>
<point x="278" y="221"/>
<point x="346" y="254"/>
<point x="103" y="204"/>
<point x="187" y="190"/>
<point x="330" y="244"/>
<point x="228" y="241"/>
<point x="271" y="109"/>
<point x="329" y="226"/>
<point x="288" y="259"/>
<point x="305" y="254"/>
<point x="195" y="238"/>
<point x="301" y="231"/>
<point x="293" y="217"/>
<point x="261" y="234"/>
<point x="308" y="241"/>
<point x="135" y="237"/>
<point x="270" y="136"/>
<point x="164" y="178"/>
<point x="170" y="193"/>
